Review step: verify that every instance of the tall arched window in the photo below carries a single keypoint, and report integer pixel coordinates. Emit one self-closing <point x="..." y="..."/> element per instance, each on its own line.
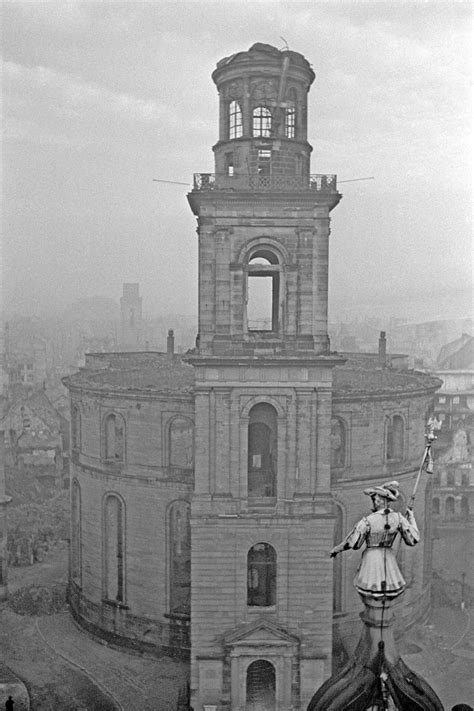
<point x="114" y="549"/>
<point x="290" y="114"/>
<point x="338" y="443"/>
<point x="262" y="122"/>
<point x="450" y="479"/>
<point x="75" y="427"/>
<point x="181" y="444"/>
<point x="464" y="508"/>
<point x="235" y="120"/>
<point x="76" y="532"/>
<point x="262" y="451"/>
<point x="260" y="686"/>
<point x="395" y="438"/>
<point x="261" y="575"/>
<point x="114" y="437"/>
<point x="263" y="291"/>
<point x="449" y="507"/>
<point x="435" y="506"/>
<point x="337" y="564"/>
<point x="179" y="557"/>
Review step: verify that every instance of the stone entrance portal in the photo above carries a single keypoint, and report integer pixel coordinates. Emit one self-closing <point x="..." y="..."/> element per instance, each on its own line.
<point x="260" y="686"/>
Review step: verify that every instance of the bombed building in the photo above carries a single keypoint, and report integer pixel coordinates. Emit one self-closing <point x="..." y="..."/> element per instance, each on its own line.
<point x="206" y="491"/>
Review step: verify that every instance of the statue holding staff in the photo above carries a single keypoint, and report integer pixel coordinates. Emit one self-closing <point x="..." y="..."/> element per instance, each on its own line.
<point x="378" y="575"/>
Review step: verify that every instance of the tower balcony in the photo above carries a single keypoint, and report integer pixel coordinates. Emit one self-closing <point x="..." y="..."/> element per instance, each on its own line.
<point x="317" y="182"/>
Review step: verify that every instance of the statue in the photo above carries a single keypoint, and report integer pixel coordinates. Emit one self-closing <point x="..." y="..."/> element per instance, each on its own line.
<point x="376" y="677"/>
<point x="379" y="575"/>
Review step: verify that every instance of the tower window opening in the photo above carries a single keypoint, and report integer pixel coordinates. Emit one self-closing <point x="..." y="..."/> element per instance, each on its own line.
<point x="263" y="294"/>
<point x="290" y="120"/>
<point x="235" y="120"/>
<point x="114" y="438"/>
<point x="229" y="164"/>
<point x="261" y="575"/>
<point x="262" y="122"/>
<point x="262" y="451"/>
<point x="264" y="162"/>
<point x="395" y="439"/>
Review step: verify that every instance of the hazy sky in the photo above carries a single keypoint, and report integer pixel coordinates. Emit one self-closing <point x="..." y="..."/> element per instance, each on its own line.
<point x="101" y="97"/>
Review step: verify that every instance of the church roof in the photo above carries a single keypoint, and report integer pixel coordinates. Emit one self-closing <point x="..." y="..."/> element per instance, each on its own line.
<point x="357" y="379"/>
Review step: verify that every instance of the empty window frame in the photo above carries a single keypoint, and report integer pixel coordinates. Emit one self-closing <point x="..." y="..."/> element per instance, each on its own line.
<point x="449" y="507"/>
<point x="290" y="115"/>
<point x="261" y="575"/>
<point x="114" y="431"/>
<point x="76" y="532"/>
<point x="261" y="122"/>
<point x="264" y="162"/>
<point x="235" y="120"/>
<point x="181" y="443"/>
<point x="260" y="685"/>
<point x="395" y="435"/>
<point x="263" y="292"/>
<point x="229" y="164"/>
<point x="114" y="549"/>
<point x="262" y="451"/>
<point x="179" y="558"/>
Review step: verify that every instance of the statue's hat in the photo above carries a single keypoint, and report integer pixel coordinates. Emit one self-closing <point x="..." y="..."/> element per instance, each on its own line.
<point x="387" y="491"/>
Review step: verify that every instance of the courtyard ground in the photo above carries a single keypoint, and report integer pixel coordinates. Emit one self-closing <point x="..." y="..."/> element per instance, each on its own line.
<point x="65" y="669"/>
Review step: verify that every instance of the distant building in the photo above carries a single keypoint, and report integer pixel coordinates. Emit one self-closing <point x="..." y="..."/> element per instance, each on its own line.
<point x="131" y="333"/>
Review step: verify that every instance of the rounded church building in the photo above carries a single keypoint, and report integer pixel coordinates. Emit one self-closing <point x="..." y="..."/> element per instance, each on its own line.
<point x="132" y="480"/>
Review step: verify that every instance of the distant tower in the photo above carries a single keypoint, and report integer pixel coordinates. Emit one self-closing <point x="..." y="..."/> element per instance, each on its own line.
<point x="131" y="337"/>
<point x="262" y="512"/>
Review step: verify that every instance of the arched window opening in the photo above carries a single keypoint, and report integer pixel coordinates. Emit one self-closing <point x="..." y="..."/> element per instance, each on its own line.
<point x="290" y="115"/>
<point x="114" y="549"/>
<point x="75" y="427"/>
<point x="114" y="438"/>
<point x="464" y="508"/>
<point x="260" y="686"/>
<point x="262" y="122"/>
<point x="395" y="437"/>
<point x="181" y="443"/>
<point x="464" y="479"/>
<point x="76" y="532"/>
<point x="262" y="451"/>
<point x="261" y="575"/>
<point x="338" y="443"/>
<point x="450" y="479"/>
<point x="263" y="292"/>
<point x="435" y="506"/>
<point x="180" y="557"/>
<point x="235" y="120"/>
<point x="337" y="564"/>
<point x="449" y="507"/>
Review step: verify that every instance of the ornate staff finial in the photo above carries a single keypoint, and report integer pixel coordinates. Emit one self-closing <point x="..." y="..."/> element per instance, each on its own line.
<point x="433" y="425"/>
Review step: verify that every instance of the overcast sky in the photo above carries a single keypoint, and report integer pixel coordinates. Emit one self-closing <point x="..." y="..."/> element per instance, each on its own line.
<point x="101" y="97"/>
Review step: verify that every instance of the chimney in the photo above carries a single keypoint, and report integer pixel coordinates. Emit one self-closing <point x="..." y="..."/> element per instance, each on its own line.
<point x="170" y="344"/>
<point x="382" y="350"/>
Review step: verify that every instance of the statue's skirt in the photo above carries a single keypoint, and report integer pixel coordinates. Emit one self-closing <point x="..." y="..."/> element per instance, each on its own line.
<point x="379" y="574"/>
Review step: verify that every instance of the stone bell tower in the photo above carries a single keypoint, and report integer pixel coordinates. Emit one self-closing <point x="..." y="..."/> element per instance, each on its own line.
<point x="262" y="518"/>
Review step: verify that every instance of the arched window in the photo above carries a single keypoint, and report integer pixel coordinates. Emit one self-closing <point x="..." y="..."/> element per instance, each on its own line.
<point x="262" y="451"/>
<point x="290" y="115"/>
<point x="450" y="479"/>
<point x="261" y="575"/>
<point x="76" y="532"/>
<point x="235" y="120"/>
<point x="114" y="437"/>
<point x="75" y="427"/>
<point x="337" y="564"/>
<point x="394" y="438"/>
<point x="449" y="507"/>
<point x="114" y="549"/>
<point x="262" y="122"/>
<point x="464" y="479"/>
<point x="435" y="506"/>
<point x="260" y="686"/>
<point x="179" y="557"/>
<point x="464" y="508"/>
<point x="181" y="443"/>
<point x="338" y="443"/>
<point x="263" y="291"/>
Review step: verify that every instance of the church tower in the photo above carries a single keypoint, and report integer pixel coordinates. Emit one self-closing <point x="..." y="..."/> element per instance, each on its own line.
<point x="262" y="515"/>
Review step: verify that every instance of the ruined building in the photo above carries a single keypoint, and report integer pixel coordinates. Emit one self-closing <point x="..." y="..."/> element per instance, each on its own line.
<point x="206" y="493"/>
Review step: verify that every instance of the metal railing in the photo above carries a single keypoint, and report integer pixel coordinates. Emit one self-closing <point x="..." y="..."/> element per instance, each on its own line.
<point x="318" y="182"/>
